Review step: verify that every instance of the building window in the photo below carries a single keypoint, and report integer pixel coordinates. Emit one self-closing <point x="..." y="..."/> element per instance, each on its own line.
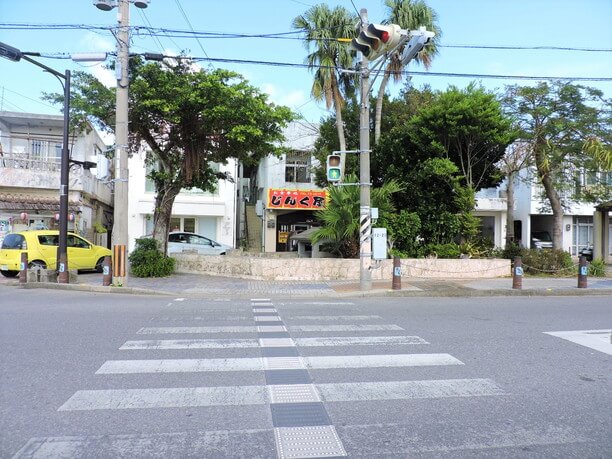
<point x="297" y="167"/>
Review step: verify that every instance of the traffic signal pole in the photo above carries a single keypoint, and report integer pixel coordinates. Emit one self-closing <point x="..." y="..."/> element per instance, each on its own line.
<point x="365" y="221"/>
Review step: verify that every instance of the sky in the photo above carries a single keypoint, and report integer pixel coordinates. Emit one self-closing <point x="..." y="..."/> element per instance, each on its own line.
<point x="467" y="26"/>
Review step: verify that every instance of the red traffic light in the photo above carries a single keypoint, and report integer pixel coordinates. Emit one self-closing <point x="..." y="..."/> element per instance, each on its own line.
<point x="385" y="36"/>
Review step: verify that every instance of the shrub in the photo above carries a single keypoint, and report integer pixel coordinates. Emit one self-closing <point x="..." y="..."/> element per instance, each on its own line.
<point x="597" y="268"/>
<point x="449" y="250"/>
<point x="147" y="261"/>
<point x="547" y="261"/>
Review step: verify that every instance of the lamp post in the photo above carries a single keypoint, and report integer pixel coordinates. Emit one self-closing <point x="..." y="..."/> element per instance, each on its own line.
<point x="16" y="55"/>
<point x="120" y="210"/>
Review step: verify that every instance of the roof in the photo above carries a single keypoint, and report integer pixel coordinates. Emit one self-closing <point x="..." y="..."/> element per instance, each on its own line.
<point x="18" y="201"/>
<point x="604" y="206"/>
<point x="304" y="236"/>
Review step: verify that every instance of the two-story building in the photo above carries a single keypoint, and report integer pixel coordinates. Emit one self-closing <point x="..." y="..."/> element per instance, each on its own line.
<point x="30" y="159"/>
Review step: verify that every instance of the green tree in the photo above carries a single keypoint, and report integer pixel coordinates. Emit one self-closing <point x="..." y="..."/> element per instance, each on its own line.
<point x="323" y="26"/>
<point x="468" y="127"/>
<point x="561" y="122"/>
<point x="408" y="14"/>
<point x="191" y="121"/>
<point x="340" y="218"/>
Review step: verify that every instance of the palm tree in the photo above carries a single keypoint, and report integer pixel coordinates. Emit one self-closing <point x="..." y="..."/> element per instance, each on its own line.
<point x="322" y="27"/>
<point x="340" y="218"/>
<point x="408" y="14"/>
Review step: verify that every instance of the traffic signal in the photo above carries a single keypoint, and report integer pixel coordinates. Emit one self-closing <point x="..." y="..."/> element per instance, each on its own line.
<point x="334" y="170"/>
<point x="10" y="53"/>
<point x="377" y="39"/>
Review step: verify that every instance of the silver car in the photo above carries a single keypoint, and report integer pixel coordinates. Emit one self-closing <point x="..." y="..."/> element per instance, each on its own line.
<point x="190" y="242"/>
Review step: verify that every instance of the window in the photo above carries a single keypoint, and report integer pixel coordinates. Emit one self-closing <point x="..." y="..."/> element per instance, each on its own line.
<point x="297" y="166"/>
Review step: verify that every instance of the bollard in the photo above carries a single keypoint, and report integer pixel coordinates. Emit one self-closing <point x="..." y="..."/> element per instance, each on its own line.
<point x="517" y="274"/>
<point x="583" y="270"/>
<point x="107" y="276"/>
<point x="118" y="261"/>
<point x="62" y="268"/>
<point x="23" y="269"/>
<point x="396" y="284"/>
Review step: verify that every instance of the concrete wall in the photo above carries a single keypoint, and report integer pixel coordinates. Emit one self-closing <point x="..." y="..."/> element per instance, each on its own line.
<point x="320" y="269"/>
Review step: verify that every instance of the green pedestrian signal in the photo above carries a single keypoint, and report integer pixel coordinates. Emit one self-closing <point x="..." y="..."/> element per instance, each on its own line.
<point x="334" y="171"/>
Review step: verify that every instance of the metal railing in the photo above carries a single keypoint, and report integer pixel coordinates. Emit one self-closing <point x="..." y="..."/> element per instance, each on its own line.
<point x="29" y="161"/>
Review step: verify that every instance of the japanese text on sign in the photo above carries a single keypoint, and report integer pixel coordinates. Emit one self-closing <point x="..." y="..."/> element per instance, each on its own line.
<point x="296" y="199"/>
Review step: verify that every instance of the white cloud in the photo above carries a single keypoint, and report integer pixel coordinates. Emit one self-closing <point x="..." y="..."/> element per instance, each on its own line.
<point x="279" y="96"/>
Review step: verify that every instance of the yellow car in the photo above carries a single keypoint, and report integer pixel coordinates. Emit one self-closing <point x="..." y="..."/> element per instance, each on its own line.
<point x="41" y="247"/>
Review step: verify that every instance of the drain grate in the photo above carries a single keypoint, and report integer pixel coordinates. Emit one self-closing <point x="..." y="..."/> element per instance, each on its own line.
<point x="299" y="414"/>
<point x="293" y="393"/>
<point x="301" y="442"/>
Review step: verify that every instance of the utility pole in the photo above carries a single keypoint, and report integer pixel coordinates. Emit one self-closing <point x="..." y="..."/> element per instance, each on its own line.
<point x="120" y="215"/>
<point x="365" y="221"/>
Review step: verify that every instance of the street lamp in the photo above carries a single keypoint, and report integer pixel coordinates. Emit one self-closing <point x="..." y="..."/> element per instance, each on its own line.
<point x="120" y="212"/>
<point x="16" y="55"/>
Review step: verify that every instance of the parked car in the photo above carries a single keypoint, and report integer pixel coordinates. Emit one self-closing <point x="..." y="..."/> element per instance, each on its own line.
<point x="587" y="253"/>
<point x="190" y="242"/>
<point x="41" y="247"/>
<point x="541" y="240"/>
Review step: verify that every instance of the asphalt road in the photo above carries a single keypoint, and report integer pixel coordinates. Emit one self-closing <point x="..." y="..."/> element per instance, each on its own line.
<point x="98" y="375"/>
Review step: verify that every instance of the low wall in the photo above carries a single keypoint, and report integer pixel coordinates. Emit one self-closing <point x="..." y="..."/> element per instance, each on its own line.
<point x="320" y="269"/>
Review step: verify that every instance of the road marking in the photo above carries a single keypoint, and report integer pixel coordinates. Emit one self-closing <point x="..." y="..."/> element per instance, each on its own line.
<point x="123" y="399"/>
<point x="276" y="342"/>
<point x="333" y="318"/>
<point x="308" y="441"/>
<point x="403" y="390"/>
<point x="595" y="339"/>
<point x="194" y="330"/>
<point x="376" y="361"/>
<point x="267" y="319"/>
<point x="274" y="363"/>
<point x="338" y="328"/>
<point x="271" y="328"/>
<point x="188" y="344"/>
<point x="232" y="443"/>
<point x="360" y="341"/>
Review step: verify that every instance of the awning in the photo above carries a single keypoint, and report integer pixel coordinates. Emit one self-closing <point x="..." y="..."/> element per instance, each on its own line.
<point x="25" y="202"/>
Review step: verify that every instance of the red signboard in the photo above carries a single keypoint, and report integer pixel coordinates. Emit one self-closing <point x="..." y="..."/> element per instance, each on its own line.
<point x="296" y="199"/>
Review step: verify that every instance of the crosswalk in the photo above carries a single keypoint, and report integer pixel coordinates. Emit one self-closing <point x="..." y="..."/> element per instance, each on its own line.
<point x="298" y="395"/>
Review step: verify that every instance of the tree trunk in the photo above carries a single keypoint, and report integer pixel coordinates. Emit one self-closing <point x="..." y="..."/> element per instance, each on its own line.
<point x="510" y="210"/>
<point x="340" y="129"/>
<point x="164" y="199"/>
<point x="551" y="194"/>
<point x="379" y="106"/>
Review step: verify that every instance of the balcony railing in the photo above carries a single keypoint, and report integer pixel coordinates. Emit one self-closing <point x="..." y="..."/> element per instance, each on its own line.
<point x="29" y="161"/>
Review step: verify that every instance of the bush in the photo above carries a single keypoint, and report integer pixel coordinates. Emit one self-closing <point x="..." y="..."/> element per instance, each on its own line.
<point x="449" y="250"/>
<point x="547" y="261"/>
<point x="597" y="268"/>
<point x="147" y="261"/>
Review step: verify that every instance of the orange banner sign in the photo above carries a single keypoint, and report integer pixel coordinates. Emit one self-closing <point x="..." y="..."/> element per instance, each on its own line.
<point x="296" y="199"/>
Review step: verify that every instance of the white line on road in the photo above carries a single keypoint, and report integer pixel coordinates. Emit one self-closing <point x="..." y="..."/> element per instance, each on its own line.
<point x="595" y="339"/>
<point x="188" y="344"/>
<point x="258" y="363"/>
<point x="194" y="330"/>
<point x="332" y="318"/>
<point x="360" y="341"/>
<point x="339" y="328"/>
<point x="403" y="390"/>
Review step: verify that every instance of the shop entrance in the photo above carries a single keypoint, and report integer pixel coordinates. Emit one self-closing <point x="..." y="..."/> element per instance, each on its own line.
<point x="289" y="224"/>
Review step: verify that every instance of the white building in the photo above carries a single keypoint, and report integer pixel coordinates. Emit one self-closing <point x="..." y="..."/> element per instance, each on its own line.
<point x="30" y="159"/>
<point x="209" y="214"/>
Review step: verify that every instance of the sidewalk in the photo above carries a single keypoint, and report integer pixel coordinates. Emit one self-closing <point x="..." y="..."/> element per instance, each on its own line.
<point x="198" y="285"/>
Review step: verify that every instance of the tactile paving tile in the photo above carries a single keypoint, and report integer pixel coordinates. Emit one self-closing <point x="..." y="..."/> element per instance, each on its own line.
<point x="279" y="352"/>
<point x="271" y="328"/>
<point x="293" y="393"/>
<point x="273" y="319"/>
<point x="283" y="363"/>
<point x="287" y="377"/>
<point x="276" y="342"/>
<point x="299" y="414"/>
<point x="313" y="441"/>
<point x="270" y="309"/>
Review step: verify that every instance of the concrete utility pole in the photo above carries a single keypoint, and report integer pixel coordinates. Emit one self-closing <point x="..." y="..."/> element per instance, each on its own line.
<point x="120" y="215"/>
<point x="365" y="221"/>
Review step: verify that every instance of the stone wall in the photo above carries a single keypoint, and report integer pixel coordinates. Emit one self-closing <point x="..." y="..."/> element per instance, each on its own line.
<point x="321" y="269"/>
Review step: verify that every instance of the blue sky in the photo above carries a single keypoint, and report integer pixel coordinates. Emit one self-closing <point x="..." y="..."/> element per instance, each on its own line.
<point x="518" y="23"/>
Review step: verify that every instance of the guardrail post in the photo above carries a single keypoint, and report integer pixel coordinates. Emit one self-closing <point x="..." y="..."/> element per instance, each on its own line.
<point x="107" y="276"/>
<point x="583" y="271"/>
<point x="23" y="269"/>
<point x="396" y="284"/>
<point x="517" y="274"/>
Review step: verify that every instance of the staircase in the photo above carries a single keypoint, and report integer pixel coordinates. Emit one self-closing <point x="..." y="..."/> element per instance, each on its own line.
<point x="253" y="230"/>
